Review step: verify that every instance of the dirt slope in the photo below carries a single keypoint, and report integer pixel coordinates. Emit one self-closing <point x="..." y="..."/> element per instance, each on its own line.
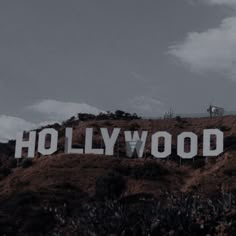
<point x="102" y="195"/>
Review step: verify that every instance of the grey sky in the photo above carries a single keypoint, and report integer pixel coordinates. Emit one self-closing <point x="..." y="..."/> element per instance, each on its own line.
<point x="112" y="54"/>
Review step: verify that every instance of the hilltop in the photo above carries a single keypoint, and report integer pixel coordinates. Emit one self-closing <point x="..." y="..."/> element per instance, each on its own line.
<point x="102" y="195"/>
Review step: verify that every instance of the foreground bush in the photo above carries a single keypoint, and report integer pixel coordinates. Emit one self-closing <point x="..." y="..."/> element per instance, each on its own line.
<point x="72" y="213"/>
<point x="110" y="186"/>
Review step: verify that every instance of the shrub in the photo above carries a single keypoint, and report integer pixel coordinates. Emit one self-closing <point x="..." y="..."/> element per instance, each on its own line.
<point x="230" y="172"/>
<point x="150" y="171"/>
<point x="178" y="119"/>
<point x="37" y="222"/>
<point x="123" y="170"/>
<point x="134" y="126"/>
<point x="110" y="185"/>
<point x="224" y="128"/>
<point x="230" y="142"/>
<point x="197" y="164"/>
<point x="26" y="163"/>
<point x="4" y="171"/>
<point x="11" y="163"/>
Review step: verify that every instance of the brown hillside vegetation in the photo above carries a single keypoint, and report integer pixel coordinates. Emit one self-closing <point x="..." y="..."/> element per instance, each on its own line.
<point x="70" y="194"/>
<point x="81" y="171"/>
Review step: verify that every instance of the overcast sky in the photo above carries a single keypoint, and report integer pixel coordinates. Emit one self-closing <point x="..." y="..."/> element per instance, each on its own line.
<point x="59" y="58"/>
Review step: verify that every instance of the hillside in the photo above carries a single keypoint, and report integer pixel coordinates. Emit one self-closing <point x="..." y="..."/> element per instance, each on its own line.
<point x="70" y="194"/>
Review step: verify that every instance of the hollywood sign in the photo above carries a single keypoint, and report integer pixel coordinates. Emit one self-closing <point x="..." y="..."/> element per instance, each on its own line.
<point x="134" y="141"/>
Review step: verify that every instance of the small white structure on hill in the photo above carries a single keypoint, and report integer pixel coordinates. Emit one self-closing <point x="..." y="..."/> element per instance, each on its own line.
<point x="215" y="111"/>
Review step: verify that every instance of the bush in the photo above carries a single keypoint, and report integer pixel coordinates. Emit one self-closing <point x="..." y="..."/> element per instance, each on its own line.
<point x="37" y="222"/>
<point x="230" y="142"/>
<point x="134" y="126"/>
<point x="180" y="120"/>
<point x="26" y="163"/>
<point x="110" y="185"/>
<point x="198" y="164"/>
<point x="4" y="171"/>
<point x="12" y="163"/>
<point x="149" y="171"/>
<point x="224" y="128"/>
<point x="123" y="170"/>
<point x="230" y="172"/>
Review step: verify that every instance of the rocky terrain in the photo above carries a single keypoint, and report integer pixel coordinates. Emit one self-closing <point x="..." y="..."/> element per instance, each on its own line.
<point x="70" y="194"/>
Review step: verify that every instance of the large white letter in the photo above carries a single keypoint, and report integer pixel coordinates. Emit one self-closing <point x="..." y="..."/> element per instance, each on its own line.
<point x="68" y="143"/>
<point x="135" y="143"/>
<point x="193" y="145"/>
<point x="109" y="141"/>
<point x="30" y="144"/>
<point x="155" y="143"/>
<point x="88" y="143"/>
<point x="42" y="140"/>
<point x="207" y="133"/>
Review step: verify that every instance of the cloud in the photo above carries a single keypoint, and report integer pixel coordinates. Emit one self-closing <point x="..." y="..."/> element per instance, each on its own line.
<point x="222" y="2"/>
<point x="10" y="125"/>
<point x="213" y="50"/>
<point x="146" y="105"/>
<point x="58" y="110"/>
<point x="53" y="111"/>
<point x="137" y="77"/>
